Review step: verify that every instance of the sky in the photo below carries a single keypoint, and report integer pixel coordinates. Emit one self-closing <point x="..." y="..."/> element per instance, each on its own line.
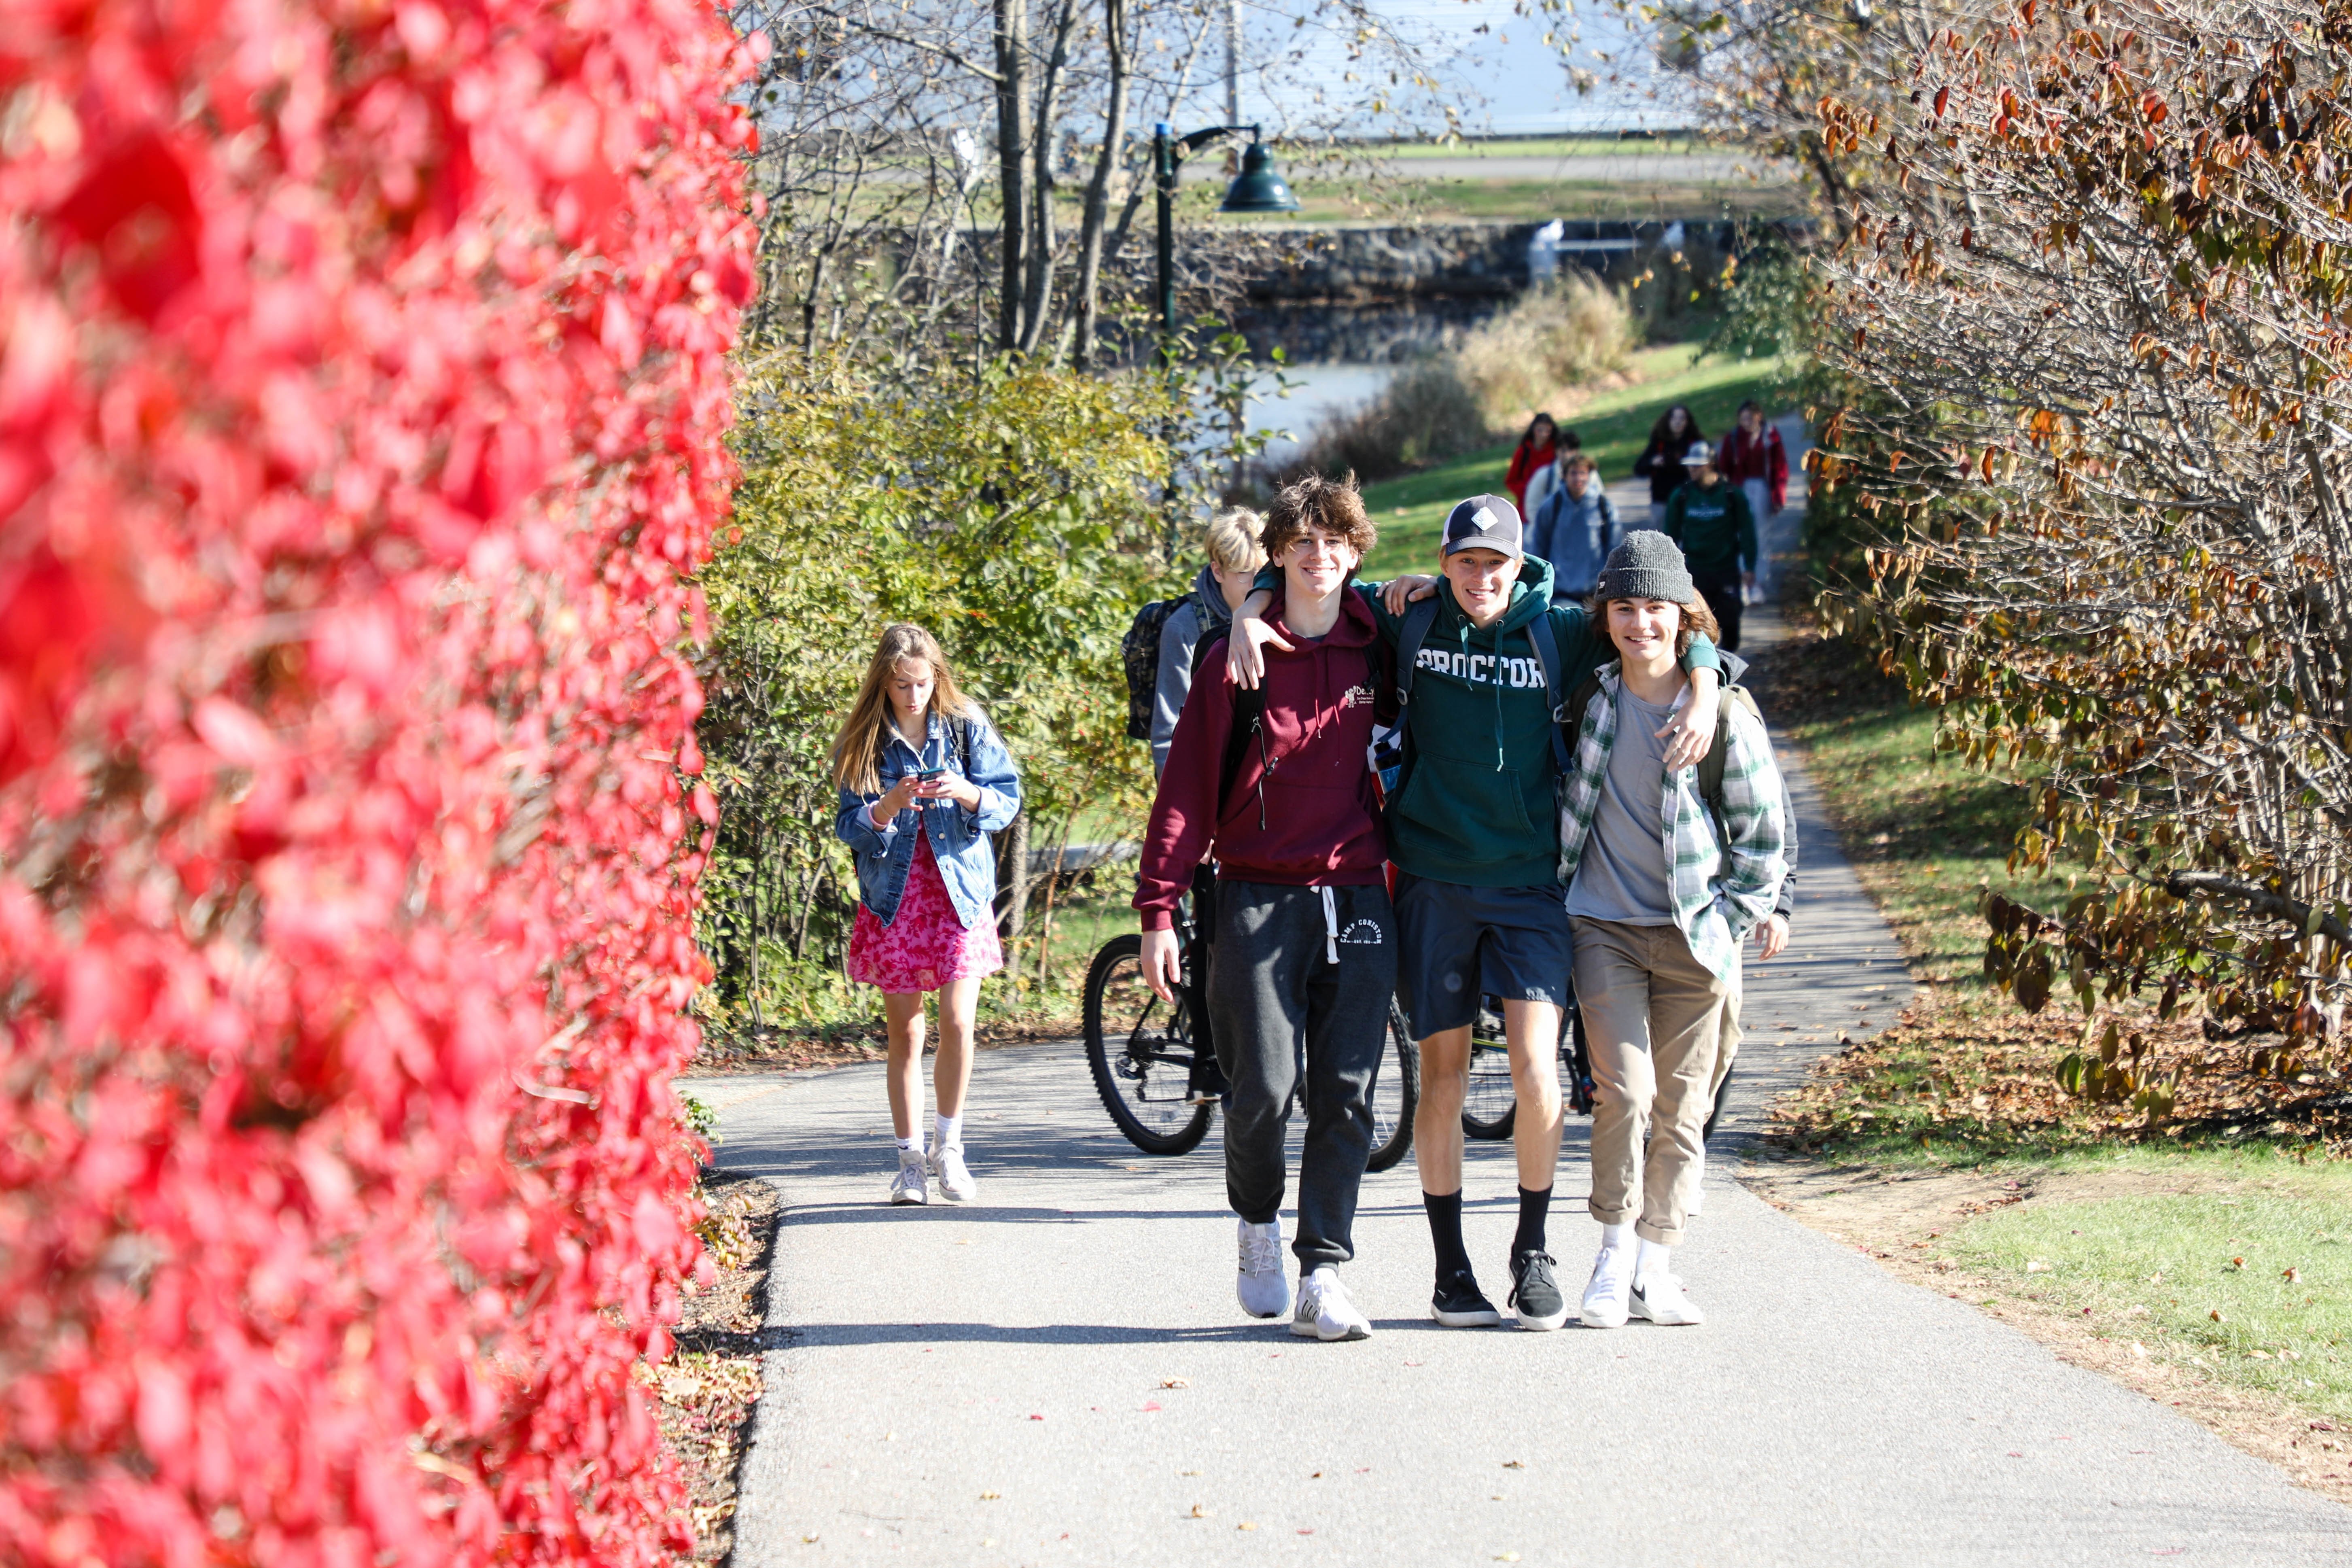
<point x="1505" y="81"/>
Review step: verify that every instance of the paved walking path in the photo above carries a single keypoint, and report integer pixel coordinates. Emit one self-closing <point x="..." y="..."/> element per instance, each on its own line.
<point x="1061" y="1376"/>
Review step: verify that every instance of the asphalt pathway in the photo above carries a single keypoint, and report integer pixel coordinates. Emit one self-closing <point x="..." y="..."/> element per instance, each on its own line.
<point x="1059" y="1375"/>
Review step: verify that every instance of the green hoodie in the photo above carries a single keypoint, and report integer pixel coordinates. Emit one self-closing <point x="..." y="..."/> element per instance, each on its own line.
<point x="1475" y="805"/>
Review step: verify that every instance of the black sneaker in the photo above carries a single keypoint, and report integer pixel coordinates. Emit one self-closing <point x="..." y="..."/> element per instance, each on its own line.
<point x="1534" y="1294"/>
<point x="1460" y="1304"/>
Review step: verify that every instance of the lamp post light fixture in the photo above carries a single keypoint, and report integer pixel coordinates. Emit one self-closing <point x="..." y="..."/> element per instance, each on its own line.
<point x="1258" y="188"/>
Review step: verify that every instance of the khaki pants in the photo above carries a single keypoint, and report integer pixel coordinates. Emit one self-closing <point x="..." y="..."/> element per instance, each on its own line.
<point x="1653" y="1021"/>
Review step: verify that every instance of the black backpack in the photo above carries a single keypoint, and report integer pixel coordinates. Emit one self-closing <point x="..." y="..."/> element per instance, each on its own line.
<point x="1139" y="652"/>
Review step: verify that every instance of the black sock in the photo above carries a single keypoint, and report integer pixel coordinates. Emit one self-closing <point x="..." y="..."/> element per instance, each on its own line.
<point x="1445" y="1211"/>
<point x="1534" y="1209"/>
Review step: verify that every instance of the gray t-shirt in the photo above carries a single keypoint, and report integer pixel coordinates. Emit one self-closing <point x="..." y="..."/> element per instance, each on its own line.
<point x="1623" y="874"/>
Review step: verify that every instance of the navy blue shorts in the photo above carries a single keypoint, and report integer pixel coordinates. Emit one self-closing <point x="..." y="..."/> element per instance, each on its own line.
<point x="1456" y="942"/>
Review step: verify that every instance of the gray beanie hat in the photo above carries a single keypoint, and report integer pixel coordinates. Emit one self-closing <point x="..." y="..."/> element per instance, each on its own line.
<point x="1647" y="564"/>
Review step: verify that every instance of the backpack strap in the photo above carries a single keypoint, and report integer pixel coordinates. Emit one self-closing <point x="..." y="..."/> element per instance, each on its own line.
<point x="959" y="730"/>
<point x="1249" y="725"/>
<point x="1419" y="617"/>
<point x="1579" y="700"/>
<point x="1540" y="637"/>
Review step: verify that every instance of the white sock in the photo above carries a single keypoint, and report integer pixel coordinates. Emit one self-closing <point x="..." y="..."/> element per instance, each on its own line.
<point x="1652" y="1260"/>
<point x="947" y="1131"/>
<point x="910" y="1145"/>
<point x="1617" y="1235"/>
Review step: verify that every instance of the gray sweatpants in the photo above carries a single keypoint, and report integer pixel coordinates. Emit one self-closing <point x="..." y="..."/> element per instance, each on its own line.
<point x="1294" y="967"/>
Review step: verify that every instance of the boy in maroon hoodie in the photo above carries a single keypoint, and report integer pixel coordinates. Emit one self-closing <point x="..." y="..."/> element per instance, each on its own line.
<point x="1305" y="946"/>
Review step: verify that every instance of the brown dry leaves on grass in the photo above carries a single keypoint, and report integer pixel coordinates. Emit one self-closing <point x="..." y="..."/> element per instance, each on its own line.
<point x="1982" y="1075"/>
<point x="707" y="1389"/>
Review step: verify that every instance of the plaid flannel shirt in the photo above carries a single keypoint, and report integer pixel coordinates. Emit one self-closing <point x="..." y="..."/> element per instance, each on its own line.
<point x="1720" y="891"/>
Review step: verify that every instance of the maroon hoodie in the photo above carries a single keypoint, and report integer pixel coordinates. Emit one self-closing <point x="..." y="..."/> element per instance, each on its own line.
<point x="1301" y="812"/>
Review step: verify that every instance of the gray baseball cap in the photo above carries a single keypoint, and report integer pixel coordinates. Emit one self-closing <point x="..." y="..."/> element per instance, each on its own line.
<point x="1483" y="522"/>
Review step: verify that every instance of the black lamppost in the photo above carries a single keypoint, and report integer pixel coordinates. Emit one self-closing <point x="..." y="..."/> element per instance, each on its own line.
<point x="1258" y="188"/>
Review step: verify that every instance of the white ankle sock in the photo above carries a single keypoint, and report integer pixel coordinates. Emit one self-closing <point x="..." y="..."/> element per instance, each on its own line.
<point x="1617" y="1235"/>
<point x="910" y="1145"/>
<point x="1652" y="1260"/>
<point x="947" y="1131"/>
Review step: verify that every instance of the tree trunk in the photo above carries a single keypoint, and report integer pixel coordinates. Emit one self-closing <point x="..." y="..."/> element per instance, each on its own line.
<point x="1097" y="214"/>
<point x="1037" y="292"/>
<point x="1012" y="158"/>
<point x="1011" y="881"/>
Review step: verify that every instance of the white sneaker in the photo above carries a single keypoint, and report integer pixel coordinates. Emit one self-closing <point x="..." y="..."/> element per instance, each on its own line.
<point x="1607" y="1296"/>
<point x="1324" y="1310"/>
<point x="1660" y="1297"/>
<point x="956" y="1184"/>
<point x="1262" y="1285"/>
<point x="908" y="1185"/>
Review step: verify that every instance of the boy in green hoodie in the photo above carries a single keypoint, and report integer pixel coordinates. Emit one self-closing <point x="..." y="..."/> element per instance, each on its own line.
<point x="1474" y="832"/>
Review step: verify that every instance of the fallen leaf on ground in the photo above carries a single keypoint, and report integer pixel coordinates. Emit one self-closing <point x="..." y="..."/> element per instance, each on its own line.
<point x="1513" y="1465"/>
<point x="1151" y="1405"/>
<point x="1175" y="1382"/>
<point x="990" y="1497"/>
<point x="1200" y="1512"/>
<point x="2292" y="1276"/>
<point x="1246" y="1524"/>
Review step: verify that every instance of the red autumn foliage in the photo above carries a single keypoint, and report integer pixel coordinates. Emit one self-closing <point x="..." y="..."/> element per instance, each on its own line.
<point x="362" y="377"/>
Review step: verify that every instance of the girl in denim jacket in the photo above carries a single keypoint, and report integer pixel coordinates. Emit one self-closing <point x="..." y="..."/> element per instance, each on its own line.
<point x="924" y="780"/>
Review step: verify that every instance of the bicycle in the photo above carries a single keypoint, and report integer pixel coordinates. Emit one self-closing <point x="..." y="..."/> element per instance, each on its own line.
<point x="1154" y="1063"/>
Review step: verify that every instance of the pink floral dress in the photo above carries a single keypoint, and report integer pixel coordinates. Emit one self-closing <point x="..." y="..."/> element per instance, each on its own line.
<point x="925" y="946"/>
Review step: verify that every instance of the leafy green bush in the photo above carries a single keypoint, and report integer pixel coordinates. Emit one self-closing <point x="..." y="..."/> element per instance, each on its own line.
<point x="1018" y="515"/>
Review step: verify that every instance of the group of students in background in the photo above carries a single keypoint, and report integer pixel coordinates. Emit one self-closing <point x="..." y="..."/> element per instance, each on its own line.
<point x="1709" y="500"/>
<point x="1575" y="817"/>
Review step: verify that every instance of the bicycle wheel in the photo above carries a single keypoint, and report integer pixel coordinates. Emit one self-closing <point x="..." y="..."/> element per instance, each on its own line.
<point x="1490" y="1105"/>
<point x="1396" y="1091"/>
<point x="1722" y="1093"/>
<point x="1140" y="1051"/>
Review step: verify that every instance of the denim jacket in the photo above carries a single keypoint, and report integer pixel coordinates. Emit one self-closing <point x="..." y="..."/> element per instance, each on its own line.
<point x="959" y="838"/>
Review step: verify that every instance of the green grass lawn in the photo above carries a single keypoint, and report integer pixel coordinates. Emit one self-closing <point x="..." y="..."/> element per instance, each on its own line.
<point x="2242" y="1270"/>
<point x="1615" y="424"/>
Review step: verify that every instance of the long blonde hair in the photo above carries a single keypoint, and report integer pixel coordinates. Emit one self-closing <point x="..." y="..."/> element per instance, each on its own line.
<point x="859" y="748"/>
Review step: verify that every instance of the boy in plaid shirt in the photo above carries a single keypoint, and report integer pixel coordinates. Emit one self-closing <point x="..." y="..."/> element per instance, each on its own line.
<point x="1664" y="888"/>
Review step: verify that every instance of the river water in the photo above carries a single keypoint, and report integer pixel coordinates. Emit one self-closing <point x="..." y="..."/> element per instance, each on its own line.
<point x="1316" y="391"/>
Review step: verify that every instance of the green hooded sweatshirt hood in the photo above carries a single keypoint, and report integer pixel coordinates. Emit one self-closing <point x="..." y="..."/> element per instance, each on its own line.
<point x="1476" y="804"/>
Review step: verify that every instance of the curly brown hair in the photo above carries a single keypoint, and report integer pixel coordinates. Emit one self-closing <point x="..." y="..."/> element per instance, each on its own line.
<point x="1317" y="502"/>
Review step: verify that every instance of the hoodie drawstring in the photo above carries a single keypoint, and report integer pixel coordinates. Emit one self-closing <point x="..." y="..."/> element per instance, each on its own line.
<point x="1330" y="928"/>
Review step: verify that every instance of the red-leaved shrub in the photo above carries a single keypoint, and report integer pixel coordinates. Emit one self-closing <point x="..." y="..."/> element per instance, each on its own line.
<point x="361" y="382"/>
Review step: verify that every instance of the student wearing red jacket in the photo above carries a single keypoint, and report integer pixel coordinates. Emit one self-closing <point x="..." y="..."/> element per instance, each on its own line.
<point x="1753" y="459"/>
<point x="1530" y="459"/>
<point x="1305" y="944"/>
